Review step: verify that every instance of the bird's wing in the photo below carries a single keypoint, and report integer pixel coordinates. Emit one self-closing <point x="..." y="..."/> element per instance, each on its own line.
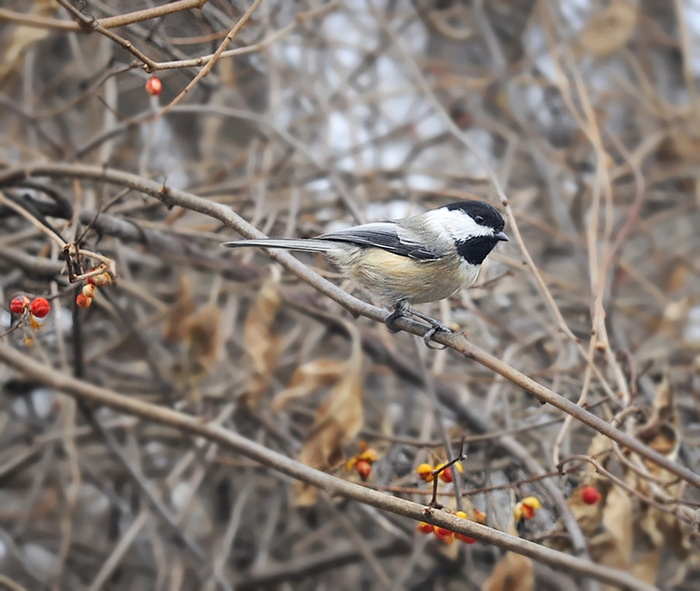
<point x="390" y="237"/>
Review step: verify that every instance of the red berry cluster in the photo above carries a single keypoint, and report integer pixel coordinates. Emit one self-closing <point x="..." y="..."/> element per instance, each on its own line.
<point x="448" y="536"/>
<point x="30" y="312"/>
<point x="427" y="472"/>
<point x="38" y="307"/>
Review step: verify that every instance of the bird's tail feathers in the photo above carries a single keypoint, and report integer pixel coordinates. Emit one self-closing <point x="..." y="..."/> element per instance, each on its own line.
<point x="286" y="243"/>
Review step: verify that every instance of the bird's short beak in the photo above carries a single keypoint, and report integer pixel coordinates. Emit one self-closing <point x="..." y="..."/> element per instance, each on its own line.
<point x="501" y="236"/>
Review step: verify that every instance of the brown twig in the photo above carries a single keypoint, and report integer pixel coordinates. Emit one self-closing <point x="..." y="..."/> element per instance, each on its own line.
<point x="330" y="484"/>
<point x="171" y="197"/>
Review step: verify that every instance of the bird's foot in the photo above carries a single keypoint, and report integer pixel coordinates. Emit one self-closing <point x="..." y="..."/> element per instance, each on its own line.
<point x="402" y="308"/>
<point x="435" y="327"/>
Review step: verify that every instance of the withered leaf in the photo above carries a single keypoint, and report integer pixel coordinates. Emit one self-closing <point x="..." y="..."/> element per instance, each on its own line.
<point x="260" y="342"/>
<point x="338" y="421"/>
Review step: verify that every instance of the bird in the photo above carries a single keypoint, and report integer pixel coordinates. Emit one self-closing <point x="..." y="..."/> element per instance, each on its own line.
<point x="414" y="260"/>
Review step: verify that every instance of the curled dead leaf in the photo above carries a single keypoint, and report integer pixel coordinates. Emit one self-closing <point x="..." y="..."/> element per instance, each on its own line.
<point x="23" y="37"/>
<point x="613" y="546"/>
<point x="260" y="342"/>
<point x="610" y="29"/>
<point x="338" y="420"/>
<point x="513" y="572"/>
<point x="308" y="378"/>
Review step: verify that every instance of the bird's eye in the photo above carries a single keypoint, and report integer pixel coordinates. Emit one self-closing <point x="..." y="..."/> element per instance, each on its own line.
<point x="479" y="219"/>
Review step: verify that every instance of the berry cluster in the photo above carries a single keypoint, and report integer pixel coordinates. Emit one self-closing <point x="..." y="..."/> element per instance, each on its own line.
<point x="30" y="312"/>
<point x="448" y="536"/>
<point x="87" y="295"/>
<point x="38" y="307"/>
<point x="444" y="472"/>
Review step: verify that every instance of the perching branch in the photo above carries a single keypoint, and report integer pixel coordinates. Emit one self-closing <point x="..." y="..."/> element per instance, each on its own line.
<point x="173" y="197"/>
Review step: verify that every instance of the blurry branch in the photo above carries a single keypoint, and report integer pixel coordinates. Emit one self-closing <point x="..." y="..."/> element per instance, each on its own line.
<point x="667" y="504"/>
<point x="264" y="122"/>
<point x="92" y="24"/>
<point x="259" y="46"/>
<point x="332" y="485"/>
<point x="110" y="22"/>
<point x="88" y="24"/>
<point x="174" y="197"/>
<point x="209" y="66"/>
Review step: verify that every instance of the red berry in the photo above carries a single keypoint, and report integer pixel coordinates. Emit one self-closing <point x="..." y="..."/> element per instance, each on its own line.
<point x="19" y="304"/>
<point x="154" y="86"/>
<point x="425" y="528"/>
<point x="83" y="301"/>
<point x="363" y="468"/>
<point x="40" y="307"/>
<point x="465" y="539"/>
<point x="446" y="475"/>
<point x="591" y="495"/>
<point x="444" y="535"/>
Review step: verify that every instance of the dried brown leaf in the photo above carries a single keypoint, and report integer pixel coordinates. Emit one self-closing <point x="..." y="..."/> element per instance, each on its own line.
<point x="180" y="311"/>
<point x="260" y="342"/>
<point x="23" y="38"/>
<point x="613" y="547"/>
<point x="662" y="529"/>
<point x="646" y="568"/>
<point x="513" y="572"/>
<point x="202" y="338"/>
<point x="610" y="29"/>
<point x="308" y="378"/>
<point x="338" y="421"/>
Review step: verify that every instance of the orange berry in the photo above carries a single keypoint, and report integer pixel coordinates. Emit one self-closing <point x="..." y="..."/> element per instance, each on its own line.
<point x="154" y="86"/>
<point x="526" y="508"/>
<point x="462" y="537"/>
<point x="479" y="516"/>
<point x="425" y="471"/>
<point x="19" y="304"/>
<point x="40" y="307"/>
<point x="444" y="535"/>
<point x="363" y="468"/>
<point x="591" y="495"/>
<point x="368" y="455"/>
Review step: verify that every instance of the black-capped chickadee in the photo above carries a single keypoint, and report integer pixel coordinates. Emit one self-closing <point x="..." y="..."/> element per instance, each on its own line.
<point x="414" y="260"/>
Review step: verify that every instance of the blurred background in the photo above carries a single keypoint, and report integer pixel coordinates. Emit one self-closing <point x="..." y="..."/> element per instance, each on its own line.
<point x="322" y="115"/>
